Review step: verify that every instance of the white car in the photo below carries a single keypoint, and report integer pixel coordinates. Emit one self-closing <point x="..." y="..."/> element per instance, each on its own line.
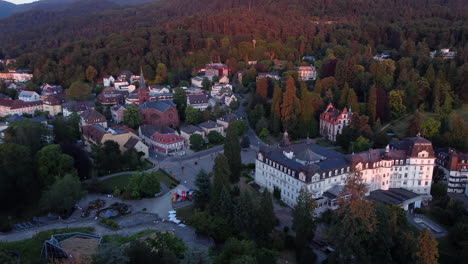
<point x="418" y="220"/>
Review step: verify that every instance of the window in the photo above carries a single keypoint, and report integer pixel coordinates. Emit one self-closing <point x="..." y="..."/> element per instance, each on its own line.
<point x="426" y="183"/>
<point x="419" y="182"/>
<point x="406" y="175"/>
<point x="404" y="183"/>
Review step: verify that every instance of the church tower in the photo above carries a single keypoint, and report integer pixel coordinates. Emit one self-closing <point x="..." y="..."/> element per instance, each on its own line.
<point x="143" y="91"/>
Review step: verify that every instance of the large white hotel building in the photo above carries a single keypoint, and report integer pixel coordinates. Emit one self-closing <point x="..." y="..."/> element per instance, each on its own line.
<point x="400" y="174"/>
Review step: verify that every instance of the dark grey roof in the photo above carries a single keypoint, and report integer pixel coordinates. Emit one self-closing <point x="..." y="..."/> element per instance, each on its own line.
<point x="394" y="195"/>
<point x="160" y="105"/>
<point x="334" y="191"/>
<point x="308" y="155"/>
<point x="190" y="129"/>
<point x="197" y="98"/>
<point x="229" y="117"/>
<point x="209" y="124"/>
<point x="149" y="130"/>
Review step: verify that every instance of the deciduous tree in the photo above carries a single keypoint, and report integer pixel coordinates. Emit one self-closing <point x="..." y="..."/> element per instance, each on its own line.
<point x="51" y="164"/>
<point x="203" y="192"/>
<point x="133" y="117"/>
<point x="428" y="253"/>
<point x="61" y="196"/>
<point x="291" y="106"/>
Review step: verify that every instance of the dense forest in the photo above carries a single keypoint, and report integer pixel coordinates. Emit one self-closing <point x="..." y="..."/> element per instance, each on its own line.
<point x="343" y="36"/>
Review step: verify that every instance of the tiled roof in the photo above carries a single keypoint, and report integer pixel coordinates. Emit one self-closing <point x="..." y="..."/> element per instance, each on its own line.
<point x="93" y="116"/>
<point x="160" y="105"/>
<point x="75" y="106"/>
<point x="95" y="132"/>
<point x="27" y="94"/>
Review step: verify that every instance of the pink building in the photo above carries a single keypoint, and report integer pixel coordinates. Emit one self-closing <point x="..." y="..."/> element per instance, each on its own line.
<point x="216" y="69"/>
<point x="333" y="120"/>
<point x="307" y="73"/>
<point x="11" y="107"/>
<point x="117" y="112"/>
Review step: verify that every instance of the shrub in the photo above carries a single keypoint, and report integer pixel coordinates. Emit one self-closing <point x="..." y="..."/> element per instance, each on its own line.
<point x="277" y="193"/>
<point x="109" y="223"/>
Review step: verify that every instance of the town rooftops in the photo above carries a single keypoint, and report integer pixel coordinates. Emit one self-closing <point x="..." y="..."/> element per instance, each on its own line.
<point x="160" y="105"/>
<point x="190" y="129"/>
<point x="332" y="113"/>
<point x="131" y="143"/>
<point x="18" y="104"/>
<point x="209" y="125"/>
<point x="216" y="66"/>
<point x="74" y="106"/>
<point x="413" y="146"/>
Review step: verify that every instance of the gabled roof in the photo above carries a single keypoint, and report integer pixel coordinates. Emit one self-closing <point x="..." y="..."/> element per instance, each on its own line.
<point x="395" y="196"/>
<point x="93" y="116"/>
<point x="150" y="130"/>
<point x="229" y="117"/>
<point x="28" y="94"/>
<point x="131" y="143"/>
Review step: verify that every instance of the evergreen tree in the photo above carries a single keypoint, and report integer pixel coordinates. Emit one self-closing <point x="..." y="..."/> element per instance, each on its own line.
<point x="276" y="109"/>
<point x="266" y="219"/>
<point x="414" y="126"/>
<point x="203" y="192"/>
<point x="291" y="106"/>
<point x="303" y="219"/>
<point x="161" y="74"/>
<point x="352" y="101"/>
<point x="428" y="253"/>
<point x="372" y="104"/>
<point x="232" y="151"/>
<point x="262" y="87"/>
<point x="180" y="99"/>
<point x="344" y="96"/>
<point x="430" y="74"/>
<point x="246" y="215"/>
<point x="221" y="176"/>
<point x="436" y="99"/>
<point x="356" y="222"/>
<point x="318" y="87"/>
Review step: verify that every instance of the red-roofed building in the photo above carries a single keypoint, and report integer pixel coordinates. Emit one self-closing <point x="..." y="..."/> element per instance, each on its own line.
<point x="11" y="107"/>
<point x="111" y="96"/>
<point x="332" y="122"/>
<point x="92" y="117"/>
<point x="52" y="104"/>
<point x="216" y="69"/>
<point x="163" y="139"/>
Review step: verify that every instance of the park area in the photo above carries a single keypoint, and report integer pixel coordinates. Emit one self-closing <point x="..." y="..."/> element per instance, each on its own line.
<point x="121" y="181"/>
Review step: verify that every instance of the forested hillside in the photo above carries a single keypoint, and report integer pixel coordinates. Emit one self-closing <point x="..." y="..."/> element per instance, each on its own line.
<point x="342" y="35"/>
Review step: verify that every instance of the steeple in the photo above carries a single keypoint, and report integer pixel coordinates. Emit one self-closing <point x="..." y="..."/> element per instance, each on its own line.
<point x="142" y="79"/>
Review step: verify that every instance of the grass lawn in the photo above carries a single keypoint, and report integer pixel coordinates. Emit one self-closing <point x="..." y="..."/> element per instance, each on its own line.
<point x="399" y="127"/>
<point x="120" y="240"/>
<point x="121" y="181"/>
<point x="30" y="249"/>
<point x="185" y="212"/>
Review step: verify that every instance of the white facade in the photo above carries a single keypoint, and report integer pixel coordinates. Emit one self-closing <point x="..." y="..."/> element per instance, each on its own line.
<point x="332" y="122"/>
<point x="379" y="169"/>
<point x="108" y="81"/>
<point x="29" y="96"/>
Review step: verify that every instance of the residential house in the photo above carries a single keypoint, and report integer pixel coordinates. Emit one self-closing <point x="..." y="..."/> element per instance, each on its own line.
<point x="382" y="56"/>
<point x="216" y="69"/>
<point x="197" y="81"/>
<point x="111" y="96"/>
<point x="76" y="107"/>
<point x="187" y="131"/>
<point x="11" y="107"/>
<point x="209" y="126"/>
<point x="16" y="75"/>
<point x="122" y="135"/>
<point x="117" y="112"/>
<point x="307" y="72"/>
<point x="455" y="166"/>
<point x="217" y="87"/>
<point x="226" y="119"/>
<point x="52" y="104"/>
<point x="161" y="112"/>
<point x="229" y="99"/>
<point x="198" y="101"/>
<point x="193" y="90"/>
<point x="445" y="54"/>
<point x="108" y="80"/>
<point x="29" y="96"/>
<point x="403" y="170"/>
<point x="132" y="98"/>
<point x="161" y="138"/>
<point x="92" y="117"/>
<point x="118" y="84"/>
<point x="333" y="121"/>
<point x="125" y="75"/>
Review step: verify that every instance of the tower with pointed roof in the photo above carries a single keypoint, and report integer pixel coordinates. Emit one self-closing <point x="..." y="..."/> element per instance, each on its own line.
<point x="143" y="91"/>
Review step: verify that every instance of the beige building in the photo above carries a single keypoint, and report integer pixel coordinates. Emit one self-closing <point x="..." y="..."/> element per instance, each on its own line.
<point x="209" y="126"/>
<point x="190" y="130"/>
<point x="124" y="136"/>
